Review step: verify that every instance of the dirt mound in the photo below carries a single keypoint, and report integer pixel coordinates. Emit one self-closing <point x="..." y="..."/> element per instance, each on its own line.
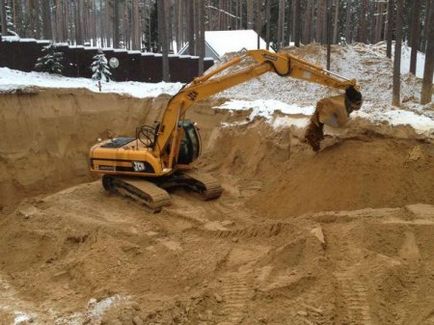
<point x="265" y="252"/>
<point x="46" y="135"/>
<point x="356" y="170"/>
<point x="84" y="256"/>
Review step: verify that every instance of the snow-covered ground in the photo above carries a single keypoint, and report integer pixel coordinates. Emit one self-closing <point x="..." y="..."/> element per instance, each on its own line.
<point x="368" y="64"/>
<point x="298" y="116"/>
<point x="14" y="79"/>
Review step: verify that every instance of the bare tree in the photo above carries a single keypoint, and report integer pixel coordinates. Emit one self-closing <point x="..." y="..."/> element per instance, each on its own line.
<point x="390" y="25"/>
<point x="201" y="40"/>
<point x="115" y="23"/>
<point x="426" y="95"/>
<point x="308" y="21"/>
<point x="136" y="34"/>
<point x="396" y="98"/>
<point x="250" y="12"/>
<point x="328" y="31"/>
<point x="336" y="22"/>
<point x="258" y="22"/>
<point x="178" y="24"/>
<point x="78" y="22"/>
<point x="426" y="25"/>
<point x="415" y="33"/>
<point x="349" y="22"/>
<point x="46" y="19"/>
<point x="280" y="23"/>
<point x="4" y="24"/>
<point x="267" y="20"/>
<point x="163" y="37"/>
<point x="297" y="30"/>
<point x="191" y="36"/>
<point x="363" y="26"/>
<point x="321" y="22"/>
<point x="379" y="22"/>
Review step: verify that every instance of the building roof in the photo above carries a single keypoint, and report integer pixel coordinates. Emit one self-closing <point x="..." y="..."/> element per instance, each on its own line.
<point x="233" y="40"/>
<point x="218" y="43"/>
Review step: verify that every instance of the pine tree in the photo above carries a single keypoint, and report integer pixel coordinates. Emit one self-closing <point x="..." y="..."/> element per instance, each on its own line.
<point x="100" y="69"/>
<point x="51" y="62"/>
<point x="8" y="21"/>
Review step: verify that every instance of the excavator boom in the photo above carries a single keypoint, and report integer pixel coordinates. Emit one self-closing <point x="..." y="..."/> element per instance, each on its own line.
<point x="161" y="155"/>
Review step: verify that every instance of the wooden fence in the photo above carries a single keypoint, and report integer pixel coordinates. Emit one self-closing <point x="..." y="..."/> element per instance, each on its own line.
<point x="21" y="54"/>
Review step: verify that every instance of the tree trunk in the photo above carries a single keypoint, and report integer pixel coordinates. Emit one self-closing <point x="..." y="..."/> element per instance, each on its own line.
<point x="307" y="28"/>
<point x="362" y="34"/>
<point x="136" y="35"/>
<point x="267" y="19"/>
<point x="328" y="31"/>
<point x="78" y="23"/>
<point x="240" y="10"/>
<point x="115" y="22"/>
<point x="250" y="10"/>
<point x="319" y="20"/>
<point x="258" y="22"/>
<point x="390" y="26"/>
<point x="190" y="15"/>
<point x="163" y="38"/>
<point x="349" y="24"/>
<point x="371" y="22"/>
<point x="280" y="23"/>
<point x="297" y="16"/>
<point x="396" y="99"/>
<point x="66" y="21"/>
<point x="426" y="95"/>
<point x="3" y="18"/>
<point x="415" y="33"/>
<point x="426" y="25"/>
<point x="46" y="20"/>
<point x="59" y="21"/>
<point x="336" y="23"/>
<point x="178" y="25"/>
<point x="379" y="22"/>
<point x="201" y="41"/>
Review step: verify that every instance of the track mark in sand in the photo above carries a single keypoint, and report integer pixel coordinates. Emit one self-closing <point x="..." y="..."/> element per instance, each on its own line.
<point x="354" y="294"/>
<point x="417" y="300"/>
<point x="263" y="230"/>
<point x="236" y="294"/>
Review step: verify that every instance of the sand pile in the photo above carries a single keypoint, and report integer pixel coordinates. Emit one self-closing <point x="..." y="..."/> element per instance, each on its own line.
<point x="360" y="169"/>
<point x="82" y="256"/>
<point x="339" y="237"/>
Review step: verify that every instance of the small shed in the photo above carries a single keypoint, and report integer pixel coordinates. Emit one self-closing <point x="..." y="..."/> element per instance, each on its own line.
<point x="218" y="43"/>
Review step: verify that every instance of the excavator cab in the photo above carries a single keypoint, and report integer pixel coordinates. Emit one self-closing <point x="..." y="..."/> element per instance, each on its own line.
<point x="190" y="146"/>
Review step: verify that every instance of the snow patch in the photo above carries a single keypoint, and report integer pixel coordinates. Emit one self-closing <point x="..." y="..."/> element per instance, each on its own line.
<point x="13" y="79"/>
<point x="266" y="107"/>
<point x="421" y="123"/>
<point x="298" y="116"/>
<point x="21" y="318"/>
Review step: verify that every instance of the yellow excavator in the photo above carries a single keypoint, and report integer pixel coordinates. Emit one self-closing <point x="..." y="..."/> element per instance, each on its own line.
<point x="160" y="157"/>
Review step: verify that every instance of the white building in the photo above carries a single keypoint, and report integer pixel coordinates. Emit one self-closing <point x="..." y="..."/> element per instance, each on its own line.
<point x="218" y="43"/>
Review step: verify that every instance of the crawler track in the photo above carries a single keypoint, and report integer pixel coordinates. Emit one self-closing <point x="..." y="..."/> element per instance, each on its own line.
<point x="140" y="190"/>
<point x="154" y="195"/>
<point x="207" y="186"/>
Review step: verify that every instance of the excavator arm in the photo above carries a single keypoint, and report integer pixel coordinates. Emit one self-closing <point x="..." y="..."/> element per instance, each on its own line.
<point x="156" y="160"/>
<point x="283" y="64"/>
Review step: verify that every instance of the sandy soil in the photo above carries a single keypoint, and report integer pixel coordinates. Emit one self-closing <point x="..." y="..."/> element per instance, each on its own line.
<point x="274" y="249"/>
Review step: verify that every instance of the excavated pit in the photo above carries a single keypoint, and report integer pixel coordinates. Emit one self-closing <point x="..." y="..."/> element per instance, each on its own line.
<point x="342" y="236"/>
